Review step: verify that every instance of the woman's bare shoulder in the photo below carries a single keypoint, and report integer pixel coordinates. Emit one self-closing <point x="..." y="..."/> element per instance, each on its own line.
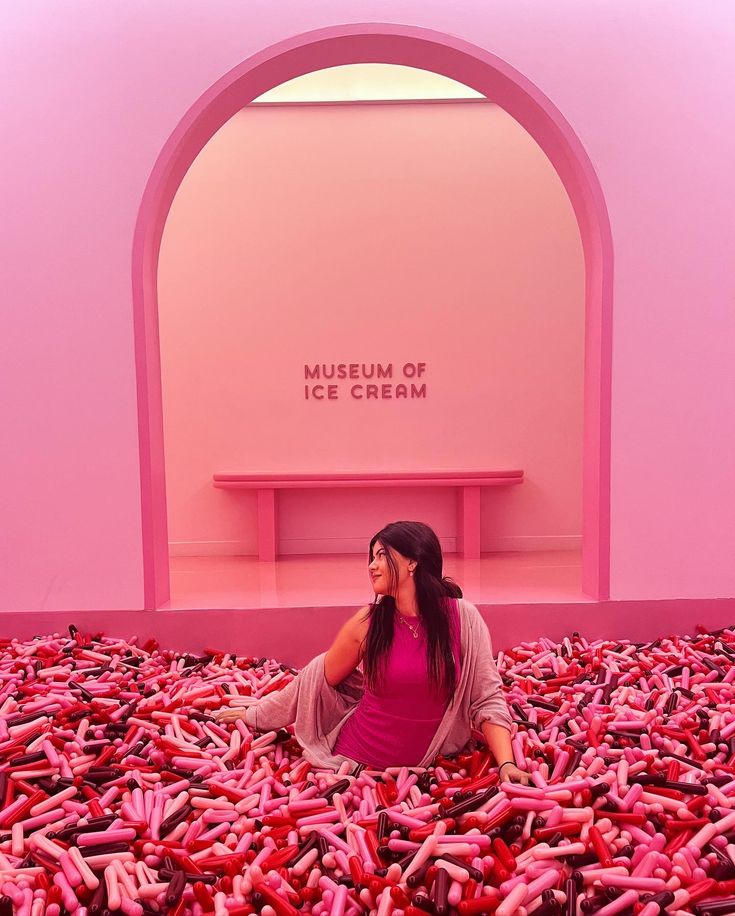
<point x="360" y="621"/>
<point x="356" y="627"/>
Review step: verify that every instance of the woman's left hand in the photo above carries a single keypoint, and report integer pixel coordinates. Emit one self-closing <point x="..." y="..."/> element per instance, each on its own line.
<point x="511" y="773"/>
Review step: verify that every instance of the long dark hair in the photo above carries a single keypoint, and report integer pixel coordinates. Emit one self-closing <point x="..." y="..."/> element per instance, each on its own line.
<point x="418" y="542"/>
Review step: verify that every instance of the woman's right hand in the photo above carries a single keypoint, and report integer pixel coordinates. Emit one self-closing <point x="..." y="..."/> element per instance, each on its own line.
<point x="231" y="713"/>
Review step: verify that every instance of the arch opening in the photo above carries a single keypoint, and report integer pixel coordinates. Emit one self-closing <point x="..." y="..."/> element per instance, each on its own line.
<point x="427" y="50"/>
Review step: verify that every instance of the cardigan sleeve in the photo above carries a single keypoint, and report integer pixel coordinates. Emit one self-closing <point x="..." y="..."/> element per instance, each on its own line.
<point x="487" y="700"/>
<point x="308" y="702"/>
<point x="316" y="710"/>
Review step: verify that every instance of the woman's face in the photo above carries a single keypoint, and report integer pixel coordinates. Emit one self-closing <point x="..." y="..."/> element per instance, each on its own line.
<point x="381" y="574"/>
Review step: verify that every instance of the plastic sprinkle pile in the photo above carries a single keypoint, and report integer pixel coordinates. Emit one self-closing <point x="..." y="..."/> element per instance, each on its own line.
<point x="119" y="792"/>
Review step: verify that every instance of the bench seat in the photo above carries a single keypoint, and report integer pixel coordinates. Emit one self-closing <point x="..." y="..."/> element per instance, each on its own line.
<point x="467" y="483"/>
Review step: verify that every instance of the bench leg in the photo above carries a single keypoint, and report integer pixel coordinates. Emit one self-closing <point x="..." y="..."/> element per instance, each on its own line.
<point x="468" y="522"/>
<point x="267" y="534"/>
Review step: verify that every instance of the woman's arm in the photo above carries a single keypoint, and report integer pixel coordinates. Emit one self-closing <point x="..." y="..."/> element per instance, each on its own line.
<point x="497" y="738"/>
<point x="486" y="695"/>
<point x="346" y="650"/>
<point x="488" y="708"/>
<point x="339" y="662"/>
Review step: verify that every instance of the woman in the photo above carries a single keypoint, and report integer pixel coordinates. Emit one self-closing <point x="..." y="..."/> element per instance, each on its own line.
<point x="428" y="671"/>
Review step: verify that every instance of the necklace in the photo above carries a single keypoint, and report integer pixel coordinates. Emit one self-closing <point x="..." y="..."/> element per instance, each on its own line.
<point x="414" y="633"/>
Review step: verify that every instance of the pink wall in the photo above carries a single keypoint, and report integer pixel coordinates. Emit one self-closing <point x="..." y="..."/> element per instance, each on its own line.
<point x="282" y="632"/>
<point x="96" y="94"/>
<point x="381" y="242"/>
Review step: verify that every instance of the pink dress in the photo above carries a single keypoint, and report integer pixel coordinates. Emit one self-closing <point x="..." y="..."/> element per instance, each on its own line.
<point x="394" y="725"/>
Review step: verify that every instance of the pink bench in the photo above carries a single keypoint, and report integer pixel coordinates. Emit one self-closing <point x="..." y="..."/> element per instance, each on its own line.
<point x="467" y="483"/>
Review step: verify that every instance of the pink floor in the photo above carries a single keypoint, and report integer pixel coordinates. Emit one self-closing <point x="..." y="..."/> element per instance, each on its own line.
<point x="339" y="580"/>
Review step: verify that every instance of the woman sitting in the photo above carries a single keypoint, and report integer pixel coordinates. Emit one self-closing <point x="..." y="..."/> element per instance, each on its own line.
<point x="428" y="675"/>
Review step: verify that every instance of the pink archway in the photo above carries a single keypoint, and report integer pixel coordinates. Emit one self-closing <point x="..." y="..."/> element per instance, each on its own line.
<point x="427" y="50"/>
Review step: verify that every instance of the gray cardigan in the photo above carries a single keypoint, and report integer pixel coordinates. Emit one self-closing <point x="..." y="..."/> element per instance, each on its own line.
<point x="318" y="711"/>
